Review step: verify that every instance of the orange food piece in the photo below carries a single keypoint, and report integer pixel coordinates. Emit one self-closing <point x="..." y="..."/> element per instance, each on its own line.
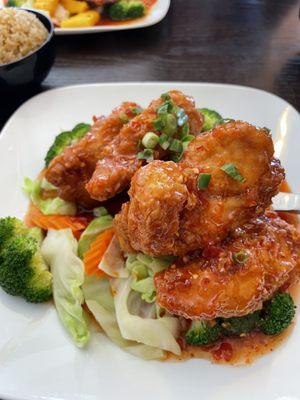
<point x="34" y="217"/>
<point x="95" y="253"/>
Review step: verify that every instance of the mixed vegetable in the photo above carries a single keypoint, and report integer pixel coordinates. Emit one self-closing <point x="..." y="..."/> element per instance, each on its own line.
<point x="81" y="13"/>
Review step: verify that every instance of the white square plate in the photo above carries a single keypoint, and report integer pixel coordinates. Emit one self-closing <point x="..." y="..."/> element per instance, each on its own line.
<point x="37" y="358"/>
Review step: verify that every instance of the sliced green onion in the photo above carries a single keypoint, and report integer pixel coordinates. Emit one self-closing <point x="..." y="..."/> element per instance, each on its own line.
<point x="176" y="146"/>
<point x="165" y="96"/>
<point x="233" y="172"/>
<point x="240" y="257"/>
<point x="164" y="141"/>
<point x="150" y="140"/>
<point x="158" y="124"/>
<point x="203" y="181"/>
<point x="183" y="120"/>
<point x="123" y="117"/>
<point x="176" y="157"/>
<point x="185" y="130"/>
<point x="136" y="110"/>
<point x="187" y="140"/>
<point x="146" y="154"/>
<point x="170" y="124"/>
<point x="163" y="109"/>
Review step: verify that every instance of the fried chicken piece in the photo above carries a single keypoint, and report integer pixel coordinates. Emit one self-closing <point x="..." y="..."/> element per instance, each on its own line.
<point x="216" y="285"/>
<point x="168" y="214"/>
<point x="72" y="169"/>
<point x="119" y="160"/>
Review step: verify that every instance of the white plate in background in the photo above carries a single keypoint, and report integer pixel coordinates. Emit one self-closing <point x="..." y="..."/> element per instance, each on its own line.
<point x="157" y="13"/>
<point x="38" y="361"/>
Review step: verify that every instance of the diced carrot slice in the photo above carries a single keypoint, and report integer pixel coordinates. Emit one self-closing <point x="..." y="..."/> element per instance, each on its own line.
<point x="34" y="217"/>
<point x="96" y="251"/>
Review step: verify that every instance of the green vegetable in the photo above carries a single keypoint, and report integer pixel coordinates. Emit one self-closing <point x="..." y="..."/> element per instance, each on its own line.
<point x="275" y="316"/>
<point x="150" y="140"/>
<point x="160" y="333"/>
<point x="100" y="211"/>
<point x="23" y="271"/>
<point x="278" y="313"/>
<point x="240" y="257"/>
<point x="202" y="333"/>
<point x="203" y="181"/>
<point x="126" y="9"/>
<point x="100" y="301"/>
<point x="240" y="325"/>
<point x="146" y="154"/>
<point x="176" y="146"/>
<point x="14" y="3"/>
<point x="60" y="251"/>
<point x="52" y="206"/>
<point x="164" y="141"/>
<point x="136" y="110"/>
<point x="211" y="119"/>
<point x="97" y="226"/>
<point x="146" y="288"/>
<point x="65" y="139"/>
<point x="233" y="172"/>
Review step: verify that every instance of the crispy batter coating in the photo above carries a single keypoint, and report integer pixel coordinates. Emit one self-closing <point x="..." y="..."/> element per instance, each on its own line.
<point x="118" y="161"/>
<point x="168" y="214"/>
<point x="73" y="168"/>
<point x="215" y="285"/>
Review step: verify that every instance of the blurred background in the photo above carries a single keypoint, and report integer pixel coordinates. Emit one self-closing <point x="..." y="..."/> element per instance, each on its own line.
<point x="247" y="42"/>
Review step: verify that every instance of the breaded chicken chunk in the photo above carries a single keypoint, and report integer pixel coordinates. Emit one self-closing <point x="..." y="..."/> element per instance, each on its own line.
<point x="235" y="278"/>
<point x="72" y="169"/>
<point x="171" y="213"/>
<point x="119" y="160"/>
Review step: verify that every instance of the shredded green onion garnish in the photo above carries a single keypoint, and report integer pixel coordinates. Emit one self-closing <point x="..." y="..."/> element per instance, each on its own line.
<point x="136" y="110"/>
<point x="233" y="172"/>
<point x="123" y="117"/>
<point x="176" y="157"/>
<point x="240" y="257"/>
<point x="176" y="146"/>
<point x="150" y="140"/>
<point x="146" y="154"/>
<point x="165" y="96"/>
<point x="203" y="181"/>
<point x="164" y="141"/>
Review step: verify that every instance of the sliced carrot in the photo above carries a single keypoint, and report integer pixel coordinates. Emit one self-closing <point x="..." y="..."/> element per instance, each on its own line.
<point x="34" y="217"/>
<point x="96" y="251"/>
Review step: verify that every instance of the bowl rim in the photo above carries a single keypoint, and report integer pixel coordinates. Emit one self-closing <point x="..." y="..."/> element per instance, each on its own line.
<point x="49" y="37"/>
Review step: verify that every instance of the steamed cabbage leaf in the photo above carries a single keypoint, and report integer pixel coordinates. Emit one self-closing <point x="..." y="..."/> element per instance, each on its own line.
<point x="100" y="301"/>
<point x="49" y="206"/>
<point x="112" y="262"/>
<point x="160" y="333"/>
<point x="60" y="252"/>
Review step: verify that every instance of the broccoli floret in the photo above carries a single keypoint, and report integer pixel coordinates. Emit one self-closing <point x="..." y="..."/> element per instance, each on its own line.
<point x="275" y="317"/>
<point x="14" y="3"/>
<point x="126" y="9"/>
<point x="240" y="325"/>
<point x="23" y="271"/>
<point x="203" y="332"/>
<point x="10" y="227"/>
<point x="211" y="119"/>
<point x="65" y="139"/>
<point x="277" y="314"/>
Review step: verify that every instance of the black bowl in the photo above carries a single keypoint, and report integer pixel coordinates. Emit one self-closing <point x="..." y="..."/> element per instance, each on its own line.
<point x="32" y="69"/>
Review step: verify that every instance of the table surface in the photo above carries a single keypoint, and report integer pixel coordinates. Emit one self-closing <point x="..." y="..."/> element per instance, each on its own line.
<point x="246" y="42"/>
